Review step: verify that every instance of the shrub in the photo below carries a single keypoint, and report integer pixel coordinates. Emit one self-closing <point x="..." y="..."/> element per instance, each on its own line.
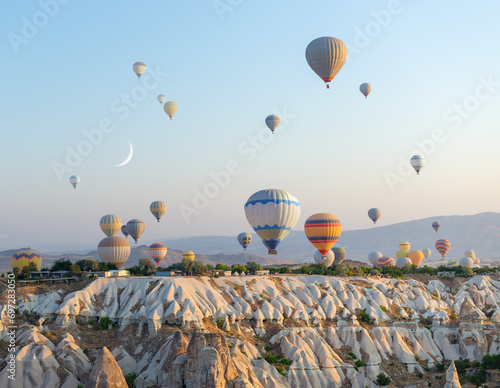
<point x="351" y="356"/>
<point x="268" y="348"/>
<point x="462" y="366"/>
<point x="417" y="357"/>
<point x="364" y="317"/>
<point x="271" y="359"/>
<point x="383" y="379"/>
<point x="383" y="308"/>
<point x="479" y="378"/>
<point x="285" y="315"/>
<point x="453" y="315"/>
<point x="130" y="380"/>
<point x="104" y="323"/>
<point x="86" y="351"/>
<point x="281" y="370"/>
<point x="491" y="361"/>
<point x="261" y="296"/>
<point x="440" y="367"/>
<point x="285" y="361"/>
<point x="420" y="375"/>
<point x="220" y="322"/>
<point x="359" y="363"/>
<point x="236" y="288"/>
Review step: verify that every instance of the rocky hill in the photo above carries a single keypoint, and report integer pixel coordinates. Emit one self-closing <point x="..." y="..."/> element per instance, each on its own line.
<point x="250" y="331"/>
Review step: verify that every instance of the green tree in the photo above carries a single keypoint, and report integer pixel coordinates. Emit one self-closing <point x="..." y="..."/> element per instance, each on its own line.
<point x="187" y="265"/>
<point x="284" y="270"/>
<point x="147" y="266"/>
<point x="198" y="268"/>
<point x="341" y="269"/>
<point x="253" y="266"/>
<point x="75" y="268"/>
<point x="106" y="266"/>
<point x="61" y="265"/>
<point x="223" y="267"/>
<point x="239" y="268"/>
<point x="88" y="264"/>
<point x="27" y="270"/>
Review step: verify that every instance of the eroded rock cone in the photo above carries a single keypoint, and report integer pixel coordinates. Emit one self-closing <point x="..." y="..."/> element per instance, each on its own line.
<point x="106" y="373"/>
<point x="452" y="380"/>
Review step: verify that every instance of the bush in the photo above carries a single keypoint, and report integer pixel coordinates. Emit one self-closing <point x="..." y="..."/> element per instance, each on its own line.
<point x="462" y="366"/>
<point x="281" y="370"/>
<point x="383" y="308"/>
<point x="364" y="317"/>
<point x="479" y="378"/>
<point x="453" y="315"/>
<point x="351" y="356"/>
<point x="130" y="380"/>
<point x="417" y="357"/>
<point x="268" y="348"/>
<point x="491" y="361"/>
<point x="440" y="367"/>
<point x="359" y="363"/>
<point x="383" y="379"/>
<point x="420" y="375"/>
<point x="220" y="323"/>
<point x="271" y="359"/>
<point x="236" y="288"/>
<point x="285" y="361"/>
<point x="104" y="323"/>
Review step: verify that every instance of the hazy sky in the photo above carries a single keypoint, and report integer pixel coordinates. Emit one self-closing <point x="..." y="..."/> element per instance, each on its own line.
<point x="67" y="71"/>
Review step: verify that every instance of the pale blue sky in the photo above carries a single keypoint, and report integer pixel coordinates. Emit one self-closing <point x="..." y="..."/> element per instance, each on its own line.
<point x="227" y="73"/>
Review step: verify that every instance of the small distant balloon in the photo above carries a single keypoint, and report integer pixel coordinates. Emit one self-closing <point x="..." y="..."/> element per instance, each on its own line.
<point x="74" y="180"/>
<point x="135" y="228"/>
<point x="124" y="231"/>
<point x="157" y="251"/>
<point x="417" y="162"/>
<point x="170" y="108"/>
<point x="374" y="214"/>
<point x="427" y="252"/>
<point x="272" y="122"/>
<point x="365" y="88"/>
<point x="161" y="98"/>
<point x="188" y="255"/>
<point x="139" y="68"/>
<point x="244" y="239"/>
<point x="436" y="225"/>
<point x="443" y="246"/>
<point x="340" y="254"/>
<point x="324" y="260"/>
<point x="385" y="261"/>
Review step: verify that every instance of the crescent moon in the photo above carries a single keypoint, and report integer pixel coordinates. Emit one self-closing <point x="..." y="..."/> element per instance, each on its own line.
<point x="129" y="156"/>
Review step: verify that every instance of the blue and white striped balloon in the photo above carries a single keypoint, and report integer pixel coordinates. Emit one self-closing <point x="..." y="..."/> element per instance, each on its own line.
<point x="417" y="162"/>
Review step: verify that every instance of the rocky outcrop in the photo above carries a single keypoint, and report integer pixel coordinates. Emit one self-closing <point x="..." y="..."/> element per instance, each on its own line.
<point x="106" y="373"/>
<point x="452" y="380"/>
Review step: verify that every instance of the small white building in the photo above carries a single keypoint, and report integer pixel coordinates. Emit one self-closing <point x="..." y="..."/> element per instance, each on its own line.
<point x="115" y="273"/>
<point x="226" y="273"/>
<point x="261" y="272"/>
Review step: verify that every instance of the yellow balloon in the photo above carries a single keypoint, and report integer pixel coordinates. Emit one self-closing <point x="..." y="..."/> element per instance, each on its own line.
<point x="23" y="258"/>
<point x="401" y="253"/>
<point x="404" y="245"/>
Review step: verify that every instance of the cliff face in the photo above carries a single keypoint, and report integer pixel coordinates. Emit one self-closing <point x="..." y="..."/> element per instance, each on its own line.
<point x="325" y="331"/>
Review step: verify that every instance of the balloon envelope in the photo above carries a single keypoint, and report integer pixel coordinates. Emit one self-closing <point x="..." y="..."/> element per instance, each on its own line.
<point x="374" y="214"/>
<point x="157" y="251"/>
<point x="23" y="258"/>
<point x="427" y="252"/>
<point x="402" y="261"/>
<point x="365" y="88"/>
<point x="373" y="257"/>
<point x="416" y="257"/>
<point x="244" y="239"/>
<point x="326" y="56"/>
<point x="272" y="213"/>
<point x="161" y="98"/>
<point x="385" y="261"/>
<point x="323" y="230"/>
<point x="326" y="260"/>
<point x="110" y="224"/>
<point x="340" y="254"/>
<point x="466" y="262"/>
<point x="405" y="245"/>
<point x="188" y="255"/>
<point x="442" y="246"/>
<point x="135" y="228"/>
<point x="114" y="250"/>
<point x="417" y="162"/>
<point x="272" y="122"/>
<point x="170" y="108"/>
<point x="74" y="180"/>
<point x="158" y="209"/>
<point x="139" y="68"/>
<point x="402" y="253"/>
<point x="470" y="253"/>
<point x="436" y="225"/>
<point x="124" y="231"/>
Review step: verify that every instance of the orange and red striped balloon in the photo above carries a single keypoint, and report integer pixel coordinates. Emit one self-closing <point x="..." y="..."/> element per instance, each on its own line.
<point x="443" y="246"/>
<point x="323" y="230"/>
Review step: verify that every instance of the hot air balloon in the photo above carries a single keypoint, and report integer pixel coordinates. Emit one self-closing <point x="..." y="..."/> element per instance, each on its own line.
<point x="466" y="262"/>
<point x="374" y="214"/>
<point x="365" y="88"/>
<point x="427" y="252"/>
<point x="272" y="122"/>
<point x="405" y="245"/>
<point x="442" y="246"/>
<point x="74" y="180"/>
<point x="158" y="209"/>
<point x="373" y="257"/>
<point x="470" y="253"/>
<point x="417" y="162"/>
<point x="23" y="258"/>
<point x="436" y="225"/>
<point x="124" y="231"/>
<point x="135" y="228"/>
<point x="114" y="250"/>
<point x="188" y="255"/>
<point x="403" y="261"/>
<point x="161" y="98"/>
<point x="139" y="68"/>
<point x="110" y="224"/>
<point x="244" y="239"/>
<point x="170" y="108"/>
<point x="157" y="251"/>
<point x="325" y="260"/>
<point x="272" y="214"/>
<point x="326" y="56"/>
<point x="340" y="254"/>
<point x="416" y="257"/>
<point x="323" y="230"/>
<point x="385" y="261"/>
<point x="453" y="263"/>
<point x="402" y="253"/>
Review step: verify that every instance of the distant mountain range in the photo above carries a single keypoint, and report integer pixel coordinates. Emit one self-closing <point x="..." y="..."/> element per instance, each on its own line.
<point x="480" y="232"/>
